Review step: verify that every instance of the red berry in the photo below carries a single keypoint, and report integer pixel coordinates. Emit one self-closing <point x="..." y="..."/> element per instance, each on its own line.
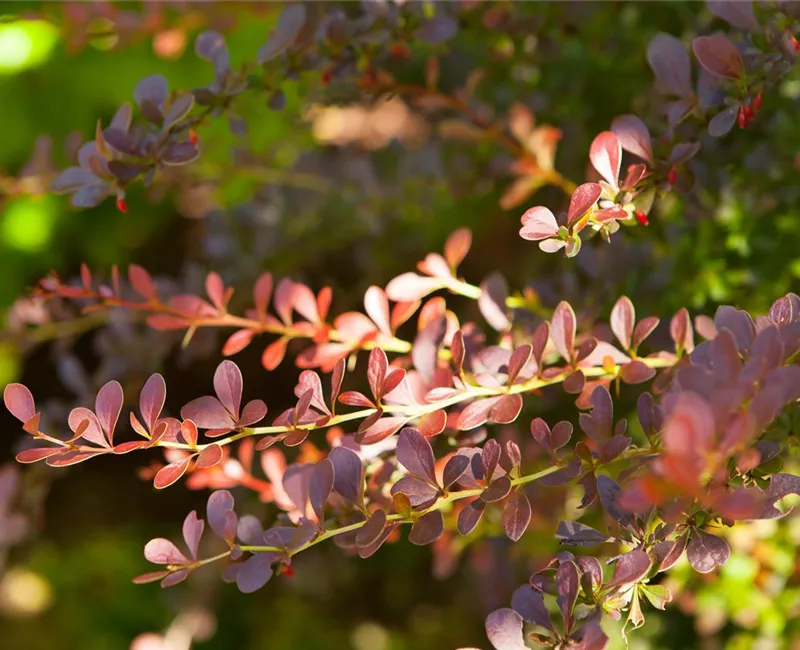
<point x="757" y="102"/>
<point x="193" y="137"/>
<point x="369" y="78"/>
<point x="795" y="43"/>
<point x="641" y="217"/>
<point x="672" y="175"/>
<point x="122" y="206"/>
<point x="741" y="118"/>
<point x="400" y="51"/>
<point x="327" y="74"/>
<point x="749" y="113"/>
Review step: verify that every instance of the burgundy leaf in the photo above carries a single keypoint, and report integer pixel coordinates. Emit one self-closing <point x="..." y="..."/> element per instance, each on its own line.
<point x="420" y="493"/>
<point x="207" y="413"/>
<point x="606" y="156"/>
<point x="519" y="359"/>
<point x="377" y="367"/>
<point x="490" y="457"/>
<point x="680" y="329"/>
<point x="454" y="469"/>
<point x="477" y="413"/>
<point x="168" y="474"/>
<point x="189" y="433"/>
<point x="529" y="604"/>
<point x="538" y="223"/>
<point x="497" y="490"/>
<point x="707" y="552"/>
<point x="718" y="55"/>
<point x="583" y="198"/>
<point x="382" y="429"/>
<point x="470" y="516"/>
<point x="567" y="586"/>
<point x="630" y="568"/>
<point x="516" y="515"/>
<point x="573" y="532"/>
<point x="37" y="453"/>
<point x="636" y="372"/>
<point x="415" y="453"/>
<point x="738" y="13"/>
<point x="254" y="411"/>
<point x="643" y="329"/>
<point x="369" y="551"/>
<point x="320" y="487"/>
<point x="504" y="629"/>
<point x="348" y="474"/>
<point x="432" y="424"/>
<point x="507" y="409"/>
<point x="427" y="529"/>
<point x="369" y="533"/>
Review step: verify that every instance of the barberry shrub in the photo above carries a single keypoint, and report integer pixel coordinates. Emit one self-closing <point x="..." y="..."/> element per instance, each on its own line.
<point x="406" y="401"/>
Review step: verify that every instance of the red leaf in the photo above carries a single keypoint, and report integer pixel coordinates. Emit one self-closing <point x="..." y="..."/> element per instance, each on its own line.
<point x="167" y="475"/>
<point x="432" y="424"/>
<point x="141" y="282"/>
<point x="262" y="292"/>
<point x="19" y="401"/>
<point x="492" y="302"/>
<point x="410" y="287"/>
<point x="38" y="453"/>
<point x="209" y="457"/>
<point x="377" y="366"/>
<point x="354" y="398"/>
<point x="310" y="381"/>
<point x="643" y="329"/>
<point x="215" y="289"/>
<point x="457" y="246"/>
<point x="237" y="342"/>
<point x="583" y="198"/>
<point x="477" y="413"/>
<point x="254" y="411"/>
<point x="207" y="413"/>
<point x="507" y="409"/>
<point x="382" y="429"/>
<point x="274" y="353"/>
<point x="305" y="303"/>
<point x="283" y="301"/>
<point x="435" y="265"/>
<point x="189" y="433"/>
<point x="606" y="156"/>
<point x="636" y="372"/>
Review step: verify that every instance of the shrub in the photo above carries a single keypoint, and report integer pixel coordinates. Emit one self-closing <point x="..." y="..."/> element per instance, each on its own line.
<point x="414" y="389"/>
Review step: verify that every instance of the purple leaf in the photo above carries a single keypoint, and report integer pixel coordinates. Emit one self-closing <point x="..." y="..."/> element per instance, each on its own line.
<point x="538" y="223"/>
<point x="719" y="56"/>
<point x="437" y="30"/>
<point x="583" y="198"/>
<point x="162" y="551"/>
<point x="630" y="568"/>
<point x="179" y="153"/>
<point x="573" y="532"/>
<point x="228" y="386"/>
<point x="289" y="24"/>
<point x="497" y="490"/>
<point x="504" y="629"/>
<point x="454" y="469"/>
<point x="529" y="604"/>
<point x="470" y="516"/>
<point x="220" y="503"/>
<point x="152" y="89"/>
<point x="707" y="552"/>
<point x="209" y="457"/>
<point x="348" y="474"/>
<point x="250" y="531"/>
<point x="192" y="532"/>
<point x="738" y="13"/>
<point x="723" y="122"/>
<point x="669" y="61"/>
<point x="320" y="487"/>
<point x="255" y="572"/>
<point x="371" y="531"/>
<point x="636" y="372"/>
<point x="427" y="529"/>
<point x="421" y="494"/>
<point x="207" y="413"/>
<point x="415" y="453"/>
<point x="633" y="136"/>
<point x="516" y="515"/>
<point x="609" y="493"/>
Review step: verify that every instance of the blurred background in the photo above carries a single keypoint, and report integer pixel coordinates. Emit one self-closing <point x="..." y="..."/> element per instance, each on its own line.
<point x="320" y="183"/>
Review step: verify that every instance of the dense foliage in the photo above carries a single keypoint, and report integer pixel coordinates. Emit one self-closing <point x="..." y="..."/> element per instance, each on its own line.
<point x="426" y="401"/>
